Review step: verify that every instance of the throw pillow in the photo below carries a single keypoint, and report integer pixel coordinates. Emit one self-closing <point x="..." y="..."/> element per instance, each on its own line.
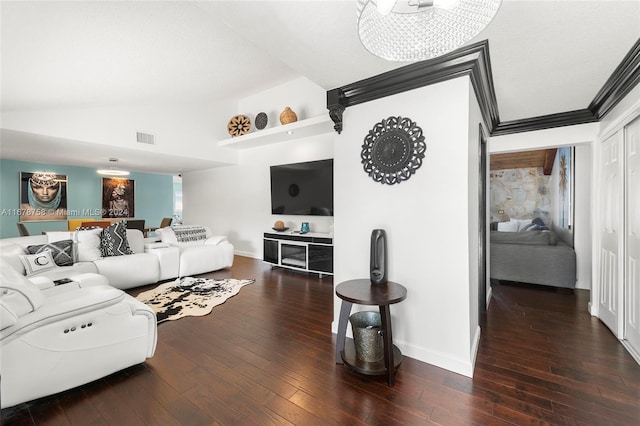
<point x="88" y="245"/>
<point x="61" y="251"/>
<point x="113" y="241"/>
<point x="507" y="226"/>
<point x="53" y="236"/>
<point x="521" y="224"/>
<point x="34" y="263"/>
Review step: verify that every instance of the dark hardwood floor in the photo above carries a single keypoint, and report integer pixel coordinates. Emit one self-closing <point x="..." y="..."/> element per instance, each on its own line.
<point x="266" y="357"/>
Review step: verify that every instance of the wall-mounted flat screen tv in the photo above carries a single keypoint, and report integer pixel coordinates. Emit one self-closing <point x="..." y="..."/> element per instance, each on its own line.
<point x="302" y="188"/>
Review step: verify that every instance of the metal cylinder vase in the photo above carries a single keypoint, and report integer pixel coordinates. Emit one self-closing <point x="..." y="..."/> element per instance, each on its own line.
<point x="367" y="335"/>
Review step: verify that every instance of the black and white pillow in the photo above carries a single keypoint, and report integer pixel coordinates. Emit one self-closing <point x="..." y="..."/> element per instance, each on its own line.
<point x="61" y="251"/>
<point x="113" y="240"/>
<point x="40" y="262"/>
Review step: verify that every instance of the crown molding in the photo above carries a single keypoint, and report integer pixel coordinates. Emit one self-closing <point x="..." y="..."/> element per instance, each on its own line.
<point x="569" y="118"/>
<point x="625" y="77"/>
<point x="474" y="61"/>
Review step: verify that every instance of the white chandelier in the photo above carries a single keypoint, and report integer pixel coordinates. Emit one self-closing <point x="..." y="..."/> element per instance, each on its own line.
<point x="408" y="31"/>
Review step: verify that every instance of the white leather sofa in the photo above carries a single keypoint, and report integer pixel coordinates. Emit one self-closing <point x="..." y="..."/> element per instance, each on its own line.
<point x="53" y="338"/>
<point x="122" y="272"/>
<point x="196" y="257"/>
<point x="150" y="263"/>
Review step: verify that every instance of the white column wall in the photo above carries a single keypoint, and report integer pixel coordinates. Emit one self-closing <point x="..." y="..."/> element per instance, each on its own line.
<point x="474" y="120"/>
<point x="426" y="219"/>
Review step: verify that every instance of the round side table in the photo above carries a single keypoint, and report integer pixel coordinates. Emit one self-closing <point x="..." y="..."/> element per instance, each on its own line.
<point x="362" y="292"/>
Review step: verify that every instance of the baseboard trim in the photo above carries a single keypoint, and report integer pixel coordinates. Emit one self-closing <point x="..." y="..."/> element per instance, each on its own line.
<point x="474" y="348"/>
<point x="439" y="359"/>
<point x="634" y="354"/>
<point x="246" y="254"/>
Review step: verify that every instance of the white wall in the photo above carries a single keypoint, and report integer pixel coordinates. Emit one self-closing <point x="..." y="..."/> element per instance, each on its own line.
<point x="303" y="96"/>
<point x="582" y="137"/>
<point x="427" y="220"/>
<point x="189" y="129"/>
<point x="582" y="230"/>
<point x="473" y="167"/>
<point x="236" y="200"/>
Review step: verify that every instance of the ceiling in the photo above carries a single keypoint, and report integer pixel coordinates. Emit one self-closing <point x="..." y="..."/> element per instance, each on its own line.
<point x="542" y="158"/>
<point x="546" y="57"/>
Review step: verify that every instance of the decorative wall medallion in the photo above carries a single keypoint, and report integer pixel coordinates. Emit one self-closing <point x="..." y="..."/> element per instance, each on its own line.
<point x="393" y="150"/>
<point x="239" y="125"/>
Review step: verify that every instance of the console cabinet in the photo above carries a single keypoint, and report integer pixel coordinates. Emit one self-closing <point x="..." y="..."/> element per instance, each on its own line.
<point x="302" y="252"/>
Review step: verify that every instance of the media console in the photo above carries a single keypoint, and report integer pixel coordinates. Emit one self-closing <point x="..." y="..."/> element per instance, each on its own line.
<point x="309" y="252"/>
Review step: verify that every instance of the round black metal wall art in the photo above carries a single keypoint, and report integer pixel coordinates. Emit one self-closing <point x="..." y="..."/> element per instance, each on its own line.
<point x="393" y="150"/>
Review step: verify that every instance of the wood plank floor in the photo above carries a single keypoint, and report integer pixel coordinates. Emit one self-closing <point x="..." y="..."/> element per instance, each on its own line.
<point x="266" y="357"/>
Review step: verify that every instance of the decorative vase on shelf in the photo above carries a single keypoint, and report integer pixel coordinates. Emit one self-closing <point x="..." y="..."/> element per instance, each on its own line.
<point x="288" y="116"/>
<point x="304" y="228"/>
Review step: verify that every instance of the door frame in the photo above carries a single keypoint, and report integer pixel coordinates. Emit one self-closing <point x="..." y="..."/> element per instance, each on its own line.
<point x="483" y="243"/>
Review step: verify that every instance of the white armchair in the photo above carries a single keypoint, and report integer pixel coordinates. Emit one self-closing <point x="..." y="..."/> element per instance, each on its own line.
<point x="60" y="337"/>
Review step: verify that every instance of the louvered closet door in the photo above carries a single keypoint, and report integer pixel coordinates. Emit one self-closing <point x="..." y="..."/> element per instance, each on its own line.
<point x="632" y="257"/>
<point x="611" y="190"/>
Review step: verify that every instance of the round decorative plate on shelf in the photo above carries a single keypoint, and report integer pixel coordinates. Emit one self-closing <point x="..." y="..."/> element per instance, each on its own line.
<point x="239" y="125"/>
<point x="261" y="120"/>
<point x="393" y="150"/>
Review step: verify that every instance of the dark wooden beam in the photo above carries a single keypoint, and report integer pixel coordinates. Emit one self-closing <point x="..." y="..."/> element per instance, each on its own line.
<point x="549" y="158"/>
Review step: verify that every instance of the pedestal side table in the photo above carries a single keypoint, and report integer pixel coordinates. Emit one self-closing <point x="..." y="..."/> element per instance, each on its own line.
<point x="362" y="292"/>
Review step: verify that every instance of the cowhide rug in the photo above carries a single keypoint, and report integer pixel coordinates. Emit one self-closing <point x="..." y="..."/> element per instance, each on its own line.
<point x="189" y="296"/>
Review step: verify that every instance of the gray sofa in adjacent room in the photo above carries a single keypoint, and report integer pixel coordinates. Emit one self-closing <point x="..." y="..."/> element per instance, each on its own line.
<point x="533" y="257"/>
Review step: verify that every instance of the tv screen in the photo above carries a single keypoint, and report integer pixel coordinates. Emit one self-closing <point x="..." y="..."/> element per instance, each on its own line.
<point x="302" y="188"/>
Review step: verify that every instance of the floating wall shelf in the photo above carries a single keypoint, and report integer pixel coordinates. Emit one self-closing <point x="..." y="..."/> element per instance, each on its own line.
<point x="281" y="133"/>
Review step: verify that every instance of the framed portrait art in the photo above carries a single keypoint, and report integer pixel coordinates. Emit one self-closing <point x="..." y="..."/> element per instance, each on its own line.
<point x="118" y="197"/>
<point x="43" y="196"/>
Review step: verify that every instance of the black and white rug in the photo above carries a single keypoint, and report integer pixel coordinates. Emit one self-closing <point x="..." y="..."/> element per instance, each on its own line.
<point x="189" y="296"/>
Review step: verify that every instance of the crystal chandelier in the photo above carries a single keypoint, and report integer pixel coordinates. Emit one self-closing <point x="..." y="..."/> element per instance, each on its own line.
<point x="415" y="30"/>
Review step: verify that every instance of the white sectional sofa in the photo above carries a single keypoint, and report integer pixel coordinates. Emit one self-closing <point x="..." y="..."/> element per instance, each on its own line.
<point x="54" y="338"/>
<point x="197" y="257"/>
<point x="150" y="262"/>
<point x="63" y="326"/>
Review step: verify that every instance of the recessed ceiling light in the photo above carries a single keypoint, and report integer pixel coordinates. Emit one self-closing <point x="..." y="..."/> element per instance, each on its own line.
<point x="113" y="171"/>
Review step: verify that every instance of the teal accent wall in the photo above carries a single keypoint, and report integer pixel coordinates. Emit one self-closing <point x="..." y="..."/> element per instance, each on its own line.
<point x="153" y="196"/>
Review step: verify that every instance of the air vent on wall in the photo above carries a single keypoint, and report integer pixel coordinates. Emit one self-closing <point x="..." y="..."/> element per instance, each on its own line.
<point x="145" y="138"/>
